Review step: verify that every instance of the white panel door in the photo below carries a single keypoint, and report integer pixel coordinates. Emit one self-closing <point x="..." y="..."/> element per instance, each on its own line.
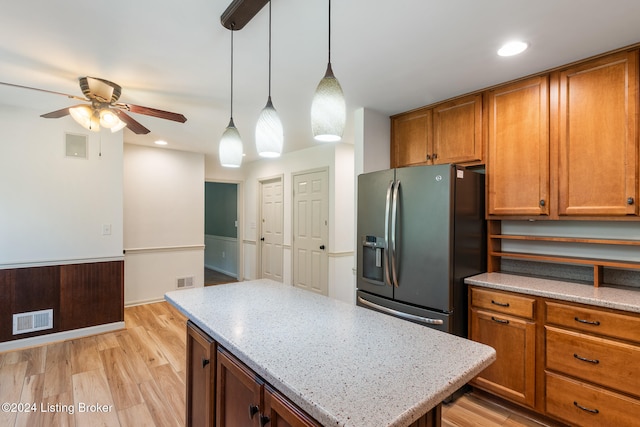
<point x="271" y="226"/>
<point x="310" y="231"/>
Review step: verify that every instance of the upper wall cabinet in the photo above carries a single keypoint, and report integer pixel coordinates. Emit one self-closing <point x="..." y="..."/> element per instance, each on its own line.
<point x="450" y="132"/>
<point x="598" y="137"/>
<point x="518" y="148"/>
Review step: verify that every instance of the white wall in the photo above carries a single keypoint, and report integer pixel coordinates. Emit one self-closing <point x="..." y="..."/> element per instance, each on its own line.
<point x="52" y="207"/>
<point x="339" y="159"/>
<point x="164" y="221"/>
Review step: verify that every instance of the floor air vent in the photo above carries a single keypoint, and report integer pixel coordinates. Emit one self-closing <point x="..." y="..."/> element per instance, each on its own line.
<point x="32" y="321"/>
<point x="185" y="282"/>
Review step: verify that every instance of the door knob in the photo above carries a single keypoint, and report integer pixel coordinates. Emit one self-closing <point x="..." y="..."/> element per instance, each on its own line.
<point x="205" y="362"/>
<point x="253" y="409"/>
<point x="264" y="420"/>
<point x="322" y="247"/>
<point x="262" y="239"/>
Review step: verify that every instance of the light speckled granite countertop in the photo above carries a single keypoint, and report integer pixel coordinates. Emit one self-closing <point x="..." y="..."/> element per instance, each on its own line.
<point x="342" y="364"/>
<point x="621" y="299"/>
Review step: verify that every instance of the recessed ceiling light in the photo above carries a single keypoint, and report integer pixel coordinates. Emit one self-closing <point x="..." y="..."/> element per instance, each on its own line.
<point x="161" y="142"/>
<point x="513" y="48"/>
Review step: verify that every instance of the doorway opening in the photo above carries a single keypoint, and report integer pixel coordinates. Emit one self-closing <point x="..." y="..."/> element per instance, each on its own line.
<point x="223" y="243"/>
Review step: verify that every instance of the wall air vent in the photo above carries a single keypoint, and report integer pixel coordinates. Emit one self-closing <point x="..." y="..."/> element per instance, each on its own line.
<point x="185" y="282"/>
<point x="32" y="321"/>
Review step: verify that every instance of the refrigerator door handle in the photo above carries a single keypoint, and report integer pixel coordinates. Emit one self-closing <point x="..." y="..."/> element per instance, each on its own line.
<point x="401" y="314"/>
<point x="394" y="219"/>
<point x="387" y="211"/>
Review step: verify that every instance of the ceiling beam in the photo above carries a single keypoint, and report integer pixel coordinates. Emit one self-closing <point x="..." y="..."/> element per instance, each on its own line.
<point x="240" y="12"/>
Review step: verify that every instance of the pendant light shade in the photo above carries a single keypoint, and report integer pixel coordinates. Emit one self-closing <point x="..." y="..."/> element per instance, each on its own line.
<point x="269" y="132"/>
<point x="328" y="108"/>
<point x="230" y="149"/>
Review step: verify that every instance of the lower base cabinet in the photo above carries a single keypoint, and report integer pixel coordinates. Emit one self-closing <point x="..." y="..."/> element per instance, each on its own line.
<point x="575" y="363"/>
<point x="223" y="392"/>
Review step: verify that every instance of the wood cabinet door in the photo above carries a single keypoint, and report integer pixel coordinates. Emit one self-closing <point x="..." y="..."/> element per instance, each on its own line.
<point x="599" y="137"/>
<point x="411" y="138"/>
<point x="200" y="378"/>
<point x="457" y="131"/>
<point x="279" y="412"/>
<point x="238" y="393"/>
<point x="518" y="148"/>
<point x="512" y="375"/>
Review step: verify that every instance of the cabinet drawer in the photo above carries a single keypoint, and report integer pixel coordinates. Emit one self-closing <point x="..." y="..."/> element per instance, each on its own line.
<point x="605" y="362"/>
<point x="593" y="320"/>
<point x="584" y="405"/>
<point x="502" y="302"/>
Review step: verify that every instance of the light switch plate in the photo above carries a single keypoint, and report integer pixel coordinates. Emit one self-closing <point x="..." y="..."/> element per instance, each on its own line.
<point x="106" y="229"/>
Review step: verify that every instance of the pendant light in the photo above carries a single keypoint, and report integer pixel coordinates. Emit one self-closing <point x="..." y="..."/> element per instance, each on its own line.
<point x="230" y="148"/>
<point x="328" y="109"/>
<point x="269" y="133"/>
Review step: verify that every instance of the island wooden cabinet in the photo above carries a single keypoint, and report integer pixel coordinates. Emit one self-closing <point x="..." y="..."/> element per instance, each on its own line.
<point x="505" y="322"/>
<point x="245" y="399"/>
<point x="518" y="180"/>
<point x="450" y="132"/>
<point x="598" y="137"/>
<point x="200" y="378"/>
<point x="222" y="391"/>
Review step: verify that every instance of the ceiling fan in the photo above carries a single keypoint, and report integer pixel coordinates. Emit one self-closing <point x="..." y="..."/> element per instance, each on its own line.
<point x="104" y="109"/>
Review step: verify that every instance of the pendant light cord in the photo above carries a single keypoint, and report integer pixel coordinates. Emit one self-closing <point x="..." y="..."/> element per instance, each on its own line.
<point x="269" y="49"/>
<point x="232" y="29"/>
<point x="329" y="31"/>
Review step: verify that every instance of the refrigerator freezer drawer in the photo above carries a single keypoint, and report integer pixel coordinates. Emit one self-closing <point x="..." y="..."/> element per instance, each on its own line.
<point x="422" y="316"/>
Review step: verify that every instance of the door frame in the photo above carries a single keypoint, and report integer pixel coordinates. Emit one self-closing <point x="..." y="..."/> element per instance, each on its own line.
<point x="261" y="181"/>
<point x="240" y="228"/>
<point x="327" y="252"/>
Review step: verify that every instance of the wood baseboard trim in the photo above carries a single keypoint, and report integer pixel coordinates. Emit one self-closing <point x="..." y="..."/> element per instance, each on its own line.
<point x="21" y="344"/>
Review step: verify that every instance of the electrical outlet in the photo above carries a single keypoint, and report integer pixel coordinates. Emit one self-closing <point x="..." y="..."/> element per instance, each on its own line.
<point x="106" y="229"/>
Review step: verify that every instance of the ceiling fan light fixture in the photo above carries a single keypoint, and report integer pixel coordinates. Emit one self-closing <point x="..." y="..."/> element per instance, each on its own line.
<point x="230" y="148"/>
<point x="108" y="118"/>
<point x="84" y="115"/>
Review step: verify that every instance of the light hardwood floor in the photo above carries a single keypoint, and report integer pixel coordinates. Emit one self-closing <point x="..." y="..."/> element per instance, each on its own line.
<point x="136" y="377"/>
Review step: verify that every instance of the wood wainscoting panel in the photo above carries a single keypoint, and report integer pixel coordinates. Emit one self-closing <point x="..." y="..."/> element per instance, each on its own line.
<point x="91" y="294"/>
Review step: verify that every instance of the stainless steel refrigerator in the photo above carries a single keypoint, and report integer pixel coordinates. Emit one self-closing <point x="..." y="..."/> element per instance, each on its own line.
<point x="421" y="231"/>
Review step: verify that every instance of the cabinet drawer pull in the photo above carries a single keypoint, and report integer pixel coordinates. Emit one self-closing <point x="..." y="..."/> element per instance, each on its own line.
<point x="584" y="359"/>
<point x="501" y="304"/>
<point x="593" y="411"/>
<point x="504" y="322"/>
<point x="587" y="322"/>
<point x="253" y="410"/>
<point x="264" y="420"/>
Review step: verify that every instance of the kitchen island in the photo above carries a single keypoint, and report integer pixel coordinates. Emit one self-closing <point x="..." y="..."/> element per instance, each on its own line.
<point x="341" y="364"/>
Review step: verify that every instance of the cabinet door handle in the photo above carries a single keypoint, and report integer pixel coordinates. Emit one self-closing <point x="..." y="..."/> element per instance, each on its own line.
<point x="428" y="156"/>
<point x="503" y="321"/>
<point x="435" y="156"/>
<point x="542" y="202"/>
<point x="588" y="322"/>
<point x="593" y="411"/>
<point x="630" y="201"/>
<point x="584" y="359"/>
<point x="501" y="304"/>
<point x="253" y="410"/>
<point x="264" y="420"/>
<point x="205" y="362"/>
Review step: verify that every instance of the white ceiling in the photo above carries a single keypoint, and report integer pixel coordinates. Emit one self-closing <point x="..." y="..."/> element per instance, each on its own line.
<point x="389" y="56"/>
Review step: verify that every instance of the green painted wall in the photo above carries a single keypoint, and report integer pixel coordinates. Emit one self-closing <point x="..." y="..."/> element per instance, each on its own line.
<point x="220" y="209"/>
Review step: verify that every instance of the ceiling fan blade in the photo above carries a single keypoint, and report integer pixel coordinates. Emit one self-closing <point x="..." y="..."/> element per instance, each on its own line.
<point x="153" y="112"/>
<point x="132" y="124"/>
<point x="59" y="113"/>
<point x="44" y="90"/>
